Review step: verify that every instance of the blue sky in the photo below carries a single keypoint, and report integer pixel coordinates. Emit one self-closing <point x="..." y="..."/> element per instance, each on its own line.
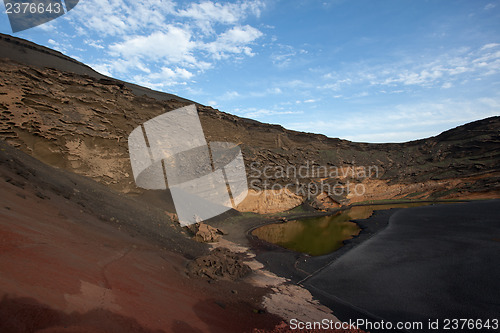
<point x="363" y="70"/>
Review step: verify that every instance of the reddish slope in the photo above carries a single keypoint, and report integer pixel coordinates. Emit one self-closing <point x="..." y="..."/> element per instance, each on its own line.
<point x="62" y="268"/>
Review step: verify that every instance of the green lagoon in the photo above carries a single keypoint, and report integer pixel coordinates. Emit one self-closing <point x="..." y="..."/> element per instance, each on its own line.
<point x="321" y="235"/>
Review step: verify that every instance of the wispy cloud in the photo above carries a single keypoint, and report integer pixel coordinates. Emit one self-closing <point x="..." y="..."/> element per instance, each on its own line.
<point x="263" y="113"/>
<point x="176" y="41"/>
<point x="94" y="43"/>
<point x="232" y="95"/>
<point x="403" y="122"/>
<point x="166" y="77"/>
<point x="441" y="71"/>
<point x="284" y="55"/>
<point x="207" y="13"/>
<point x="228" y="95"/>
<point x="120" y="18"/>
<point x="490" y="6"/>
<point x="233" y="41"/>
<point x="174" y="45"/>
<point x="489" y="46"/>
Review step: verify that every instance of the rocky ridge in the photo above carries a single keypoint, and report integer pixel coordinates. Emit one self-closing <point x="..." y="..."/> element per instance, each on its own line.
<point x="68" y="116"/>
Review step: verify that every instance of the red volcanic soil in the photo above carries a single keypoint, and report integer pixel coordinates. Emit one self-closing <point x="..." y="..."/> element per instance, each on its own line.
<point x="62" y="269"/>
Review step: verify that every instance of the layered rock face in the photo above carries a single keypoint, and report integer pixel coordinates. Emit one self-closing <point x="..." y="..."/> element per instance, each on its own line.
<point x="68" y="116"/>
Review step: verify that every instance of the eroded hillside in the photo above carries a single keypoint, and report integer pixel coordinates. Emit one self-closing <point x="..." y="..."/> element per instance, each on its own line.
<point x="67" y="116"/>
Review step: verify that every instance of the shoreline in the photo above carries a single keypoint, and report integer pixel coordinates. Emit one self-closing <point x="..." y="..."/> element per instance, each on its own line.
<point x="430" y="262"/>
<point x="308" y="265"/>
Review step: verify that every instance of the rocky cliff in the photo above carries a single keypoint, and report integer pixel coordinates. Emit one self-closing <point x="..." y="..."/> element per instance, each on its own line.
<point x="68" y="116"/>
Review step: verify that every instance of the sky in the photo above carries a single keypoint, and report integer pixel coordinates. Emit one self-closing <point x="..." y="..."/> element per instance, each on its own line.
<point x="361" y="70"/>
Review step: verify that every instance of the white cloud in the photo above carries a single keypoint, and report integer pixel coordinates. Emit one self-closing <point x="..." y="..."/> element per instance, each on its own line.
<point x="490" y="46"/>
<point x="172" y="46"/>
<point x="360" y="94"/>
<point x="94" y="43"/>
<point x="293" y="84"/>
<point x="228" y="95"/>
<point x="267" y="92"/>
<point x="104" y="69"/>
<point x="57" y="46"/>
<point x="235" y="41"/>
<point x="407" y="77"/>
<point x="231" y="95"/>
<point x="176" y="73"/>
<point x="492" y="103"/>
<point x="262" y="113"/>
<point x="403" y="122"/>
<point x="150" y="35"/>
<point x="165" y="80"/>
<point x="207" y="13"/>
<point x="167" y="77"/>
<point x="440" y="70"/>
<point x="76" y="57"/>
<point x="338" y="83"/>
<point x="123" y="66"/>
<point x="399" y="136"/>
<point x="490" y="6"/>
<point x="283" y="57"/>
<point x="120" y="18"/>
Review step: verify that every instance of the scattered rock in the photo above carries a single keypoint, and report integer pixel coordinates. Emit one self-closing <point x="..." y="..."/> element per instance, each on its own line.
<point x="14" y="182"/>
<point x="325" y="202"/>
<point x="219" y="264"/>
<point x="172" y="216"/>
<point x="222" y="305"/>
<point x="205" y="233"/>
<point x="41" y="195"/>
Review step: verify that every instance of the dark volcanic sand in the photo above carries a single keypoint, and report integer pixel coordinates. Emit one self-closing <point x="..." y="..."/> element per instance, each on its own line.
<point x="430" y="262"/>
<point x="69" y="265"/>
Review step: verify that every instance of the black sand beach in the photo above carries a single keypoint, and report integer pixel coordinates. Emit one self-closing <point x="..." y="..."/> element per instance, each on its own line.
<point x="433" y="262"/>
<point x="410" y="265"/>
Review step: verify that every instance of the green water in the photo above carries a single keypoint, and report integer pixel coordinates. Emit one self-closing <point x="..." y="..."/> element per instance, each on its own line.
<point x="321" y="235"/>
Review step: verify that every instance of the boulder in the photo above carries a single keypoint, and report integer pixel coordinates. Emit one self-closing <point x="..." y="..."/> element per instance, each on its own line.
<point x="219" y="264"/>
<point x="205" y="233"/>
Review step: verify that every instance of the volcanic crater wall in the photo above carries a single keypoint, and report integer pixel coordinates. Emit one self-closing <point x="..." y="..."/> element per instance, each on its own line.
<point x="80" y="120"/>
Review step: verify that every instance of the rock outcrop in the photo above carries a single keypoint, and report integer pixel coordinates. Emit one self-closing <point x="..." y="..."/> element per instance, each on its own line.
<point x="220" y="264"/>
<point x="205" y="233"/>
